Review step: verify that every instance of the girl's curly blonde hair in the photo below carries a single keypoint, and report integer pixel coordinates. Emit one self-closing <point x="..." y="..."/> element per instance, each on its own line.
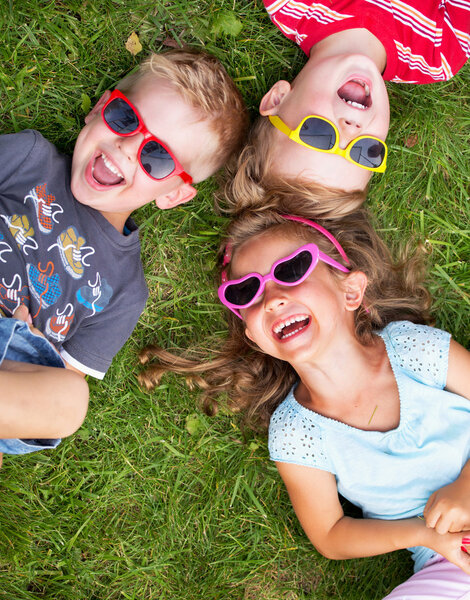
<point x="256" y="382"/>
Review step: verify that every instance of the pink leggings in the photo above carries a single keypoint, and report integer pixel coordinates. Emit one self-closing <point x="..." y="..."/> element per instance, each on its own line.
<point x="438" y="580"/>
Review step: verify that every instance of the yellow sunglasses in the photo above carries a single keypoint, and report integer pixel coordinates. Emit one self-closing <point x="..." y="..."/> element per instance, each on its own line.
<point x="321" y="134"/>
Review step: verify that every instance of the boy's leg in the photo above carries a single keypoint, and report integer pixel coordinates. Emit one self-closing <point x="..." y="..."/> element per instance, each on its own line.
<point x="40" y="400"/>
<point x="439" y="579"/>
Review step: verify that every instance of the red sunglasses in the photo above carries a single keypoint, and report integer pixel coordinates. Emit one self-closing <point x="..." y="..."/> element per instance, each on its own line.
<point x="156" y="159"/>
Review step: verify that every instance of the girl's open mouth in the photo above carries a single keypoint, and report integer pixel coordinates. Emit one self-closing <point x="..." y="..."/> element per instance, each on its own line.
<point x="104" y="172"/>
<point x="291" y="327"/>
<point x="356" y="93"/>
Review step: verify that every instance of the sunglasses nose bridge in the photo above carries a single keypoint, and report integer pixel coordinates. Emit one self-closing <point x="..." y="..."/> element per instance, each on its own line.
<point x="274" y="294"/>
<point x="348" y="130"/>
<point x="131" y="146"/>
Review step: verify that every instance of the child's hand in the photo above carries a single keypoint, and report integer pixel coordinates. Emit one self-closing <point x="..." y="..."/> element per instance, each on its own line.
<point x="22" y="314"/>
<point x="448" y="509"/>
<point x="454" y="547"/>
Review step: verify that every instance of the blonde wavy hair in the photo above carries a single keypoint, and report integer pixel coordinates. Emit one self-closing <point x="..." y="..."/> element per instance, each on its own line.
<point x="204" y="84"/>
<point x="256" y="382"/>
<point x="250" y="182"/>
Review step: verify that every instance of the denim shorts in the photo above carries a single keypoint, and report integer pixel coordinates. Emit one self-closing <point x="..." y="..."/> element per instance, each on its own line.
<point x="18" y="343"/>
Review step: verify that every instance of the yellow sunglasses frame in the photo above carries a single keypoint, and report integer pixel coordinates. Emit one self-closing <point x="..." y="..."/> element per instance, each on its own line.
<point x="293" y="134"/>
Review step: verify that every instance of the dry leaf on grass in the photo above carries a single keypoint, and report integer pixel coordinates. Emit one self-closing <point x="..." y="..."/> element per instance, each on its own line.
<point x="411" y="140"/>
<point x="133" y="44"/>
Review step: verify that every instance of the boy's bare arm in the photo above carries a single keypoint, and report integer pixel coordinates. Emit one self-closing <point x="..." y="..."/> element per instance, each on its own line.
<point x="315" y="500"/>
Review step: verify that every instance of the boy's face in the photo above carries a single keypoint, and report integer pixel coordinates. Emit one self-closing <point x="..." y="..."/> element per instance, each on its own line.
<point x="106" y="173"/>
<point x="323" y="88"/>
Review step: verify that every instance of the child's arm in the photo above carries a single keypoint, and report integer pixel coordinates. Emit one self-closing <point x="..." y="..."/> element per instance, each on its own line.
<point x="458" y="370"/>
<point x="448" y="509"/>
<point x="315" y="500"/>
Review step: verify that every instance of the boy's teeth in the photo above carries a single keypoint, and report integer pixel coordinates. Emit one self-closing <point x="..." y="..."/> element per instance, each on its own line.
<point x="111" y="167"/>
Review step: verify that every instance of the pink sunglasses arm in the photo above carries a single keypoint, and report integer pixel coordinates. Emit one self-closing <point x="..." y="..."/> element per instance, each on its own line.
<point x="332" y="262"/>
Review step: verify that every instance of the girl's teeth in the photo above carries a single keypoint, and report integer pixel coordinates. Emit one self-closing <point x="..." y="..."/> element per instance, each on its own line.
<point x="111" y="167"/>
<point x="288" y="322"/>
<point x="291" y="333"/>
<point x="355" y="104"/>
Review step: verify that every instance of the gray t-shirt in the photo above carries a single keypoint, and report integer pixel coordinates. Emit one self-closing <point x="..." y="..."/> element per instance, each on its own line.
<point x="81" y="279"/>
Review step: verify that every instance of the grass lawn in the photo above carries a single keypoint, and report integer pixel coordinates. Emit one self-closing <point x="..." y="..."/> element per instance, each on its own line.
<point x="152" y="499"/>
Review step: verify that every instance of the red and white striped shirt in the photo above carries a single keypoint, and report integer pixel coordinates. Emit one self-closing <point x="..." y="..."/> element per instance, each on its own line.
<point x="425" y="40"/>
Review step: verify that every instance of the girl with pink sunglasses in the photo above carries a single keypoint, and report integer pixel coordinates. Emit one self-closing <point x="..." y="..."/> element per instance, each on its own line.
<point x="328" y="344"/>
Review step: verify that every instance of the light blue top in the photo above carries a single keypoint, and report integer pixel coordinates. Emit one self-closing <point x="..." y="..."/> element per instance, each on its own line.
<point x="389" y="475"/>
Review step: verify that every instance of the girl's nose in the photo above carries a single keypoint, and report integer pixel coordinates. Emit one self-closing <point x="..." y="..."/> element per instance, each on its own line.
<point x="274" y="295"/>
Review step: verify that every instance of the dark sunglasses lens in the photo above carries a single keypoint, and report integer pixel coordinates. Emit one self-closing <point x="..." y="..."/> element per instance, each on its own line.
<point x="318" y="134"/>
<point x="243" y="292"/>
<point x="368" y="153"/>
<point x="156" y="160"/>
<point x="120" y="117"/>
<point x="293" y="269"/>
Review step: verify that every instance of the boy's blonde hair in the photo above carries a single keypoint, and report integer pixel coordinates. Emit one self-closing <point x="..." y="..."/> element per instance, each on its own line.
<point x="257" y="382"/>
<point x="250" y="181"/>
<point x="204" y="84"/>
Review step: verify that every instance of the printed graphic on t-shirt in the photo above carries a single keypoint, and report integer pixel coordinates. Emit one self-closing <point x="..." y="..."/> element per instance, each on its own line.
<point x="44" y="285"/>
<point x="13" y="294"/>
<point x="5" y="248"/>
<point x="58" y="326"/>
<point x="73" y="252"/>
<point x="95" y="296"/>
<point x="46" y="208"/>
<point x="22" y="231"/>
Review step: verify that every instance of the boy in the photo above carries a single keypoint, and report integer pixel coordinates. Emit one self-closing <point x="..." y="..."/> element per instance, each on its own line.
<point x="352" y="45"/>
<point x="69" y="251"/>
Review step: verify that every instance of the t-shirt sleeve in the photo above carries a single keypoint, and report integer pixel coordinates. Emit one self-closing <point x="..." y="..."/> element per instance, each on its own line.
<point x="293" y="438"/>
<point x="421" y="351"/>
<point x="99" y="338"/>
<point x="15" y="150"/>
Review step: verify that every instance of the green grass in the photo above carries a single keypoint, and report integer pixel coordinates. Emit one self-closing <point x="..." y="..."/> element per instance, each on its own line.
<point x="134" y="506"/>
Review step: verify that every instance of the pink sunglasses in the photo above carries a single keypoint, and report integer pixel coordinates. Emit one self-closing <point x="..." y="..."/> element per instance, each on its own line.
<point x="291" y="270"/>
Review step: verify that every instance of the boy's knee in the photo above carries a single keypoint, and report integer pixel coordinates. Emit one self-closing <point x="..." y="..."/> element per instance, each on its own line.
<point x="75" y="402"/>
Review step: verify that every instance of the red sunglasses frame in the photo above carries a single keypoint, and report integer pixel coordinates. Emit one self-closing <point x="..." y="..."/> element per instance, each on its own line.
<point x="148" y="137"/>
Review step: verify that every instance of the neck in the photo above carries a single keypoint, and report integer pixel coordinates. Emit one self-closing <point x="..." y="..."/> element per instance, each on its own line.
<point x="341" y="376"/>
<point x="117" y="220"/>
<point x="352" y="41"/>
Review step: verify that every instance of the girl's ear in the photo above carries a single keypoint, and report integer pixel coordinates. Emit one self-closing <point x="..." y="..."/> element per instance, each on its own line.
<point x="354" y="286"/>
<point x="98" y="106"/>
<point x="269" y="105"/>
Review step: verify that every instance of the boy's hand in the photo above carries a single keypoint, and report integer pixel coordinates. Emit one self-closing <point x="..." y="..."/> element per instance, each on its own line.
<point x="448" y="509"/>
<point x="22" y="314"/>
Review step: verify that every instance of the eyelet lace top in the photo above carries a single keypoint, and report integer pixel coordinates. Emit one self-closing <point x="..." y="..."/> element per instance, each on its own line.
<point x="391" y="474"/>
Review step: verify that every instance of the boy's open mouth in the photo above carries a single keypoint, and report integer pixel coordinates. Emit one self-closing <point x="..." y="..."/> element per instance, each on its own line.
<point x="356" y="93"/>
<point x="104" y="172"/>
<point x="291" y="326"/>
